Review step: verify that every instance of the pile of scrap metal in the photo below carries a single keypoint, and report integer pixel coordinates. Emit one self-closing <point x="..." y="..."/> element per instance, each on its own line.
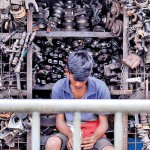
<point x="13" y="125"/>
<point x="62" y="15"/>
<point x="68" y="15"/>
<point x="138" y="33"/>
<point x="13" y="63"/>
<point x="17" y="51"/>
<point x="49" y="59"/>
<point x="138" y="60"/>
<point x="13" y="14"/>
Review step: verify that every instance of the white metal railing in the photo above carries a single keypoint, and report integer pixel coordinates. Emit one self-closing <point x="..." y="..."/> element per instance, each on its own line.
<point x="48" y="106"/>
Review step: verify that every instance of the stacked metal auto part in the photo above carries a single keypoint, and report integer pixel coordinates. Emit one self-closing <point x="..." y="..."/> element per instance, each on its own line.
<point x="138" y="59"/>
<point x="83" y="16"/>
<point x="14" y="125"/>
<point x="49" y="59"/>
<point x="12" y="15"/>
<point x="13" y="56"/>
<point x="50" y="55"/>
<point x="40" y="18"/>
<point x="13" y="76"/>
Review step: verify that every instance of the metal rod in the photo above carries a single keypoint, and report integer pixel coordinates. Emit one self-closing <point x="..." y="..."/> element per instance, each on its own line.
<point x="77" y="133"/>
<point x="49" y="106"/>
<point x="35" y="131"/>
<point x="29" y="73"/>
<point x="29" y="56"/>
<point x="125" y="47"/>
<point x="65" y="34"/>
<point x="18" y="81"/>
<point x="147" y="91"/>
<point x="136" y="118"/>
<point x="75" y="34"/>
<point x="118" y="131"/>
<point x="125" y="73"/>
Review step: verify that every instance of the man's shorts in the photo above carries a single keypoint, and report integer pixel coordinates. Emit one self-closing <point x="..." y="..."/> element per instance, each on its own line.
<point x="99" y="145"/>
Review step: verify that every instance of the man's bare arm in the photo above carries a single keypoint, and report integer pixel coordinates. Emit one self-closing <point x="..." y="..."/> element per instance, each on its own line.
<point x="102" y="128"/>
<point x="62" y="126"/>
<point x="88" y="143"/>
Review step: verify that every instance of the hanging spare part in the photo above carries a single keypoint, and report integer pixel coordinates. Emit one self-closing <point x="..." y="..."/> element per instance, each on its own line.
<point x="4" y="9"/>
<point x="56" y="17"/>
<point x="132" y="60"/>
<point x="18" y="12"/>
<point x="137" y="79"/>
<point x="69" y="16"/>
<point x="31" y="3"/>
<point x="81" y="18"/>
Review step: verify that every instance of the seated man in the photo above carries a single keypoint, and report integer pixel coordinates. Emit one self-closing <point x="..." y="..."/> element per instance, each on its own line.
<point x="79" y="85"/>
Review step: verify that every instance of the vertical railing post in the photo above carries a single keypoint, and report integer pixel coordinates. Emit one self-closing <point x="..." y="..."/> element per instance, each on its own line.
<point x="118" y="131"/>
<point x="77" y="132"/>
<point x="35" y="131"/>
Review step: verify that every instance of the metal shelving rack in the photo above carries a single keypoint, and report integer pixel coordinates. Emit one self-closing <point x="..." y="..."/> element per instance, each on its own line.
<point x="72" y="34"/>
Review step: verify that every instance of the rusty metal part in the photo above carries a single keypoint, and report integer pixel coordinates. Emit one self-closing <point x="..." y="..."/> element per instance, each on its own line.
<point x="147" y="57"/>
<point x="147" y="25"/>
<point x="139" y="94"/>
<point x="6" y="38"/>
<point x="146" y="88"/>
<point x="108" y="72"/>
<point x="139" y="31"/>
<point x="28" y="3"/>
<point x="14" y="47"/>
<point x="131" y="12"/>
<point x="28" y="41"/>
<point x="8" y="137"/>
<point x="117" y="28"/>
<point x="16" y="2"/>
<point x="69" y="16"/>
<point x="115" y="9"/>
<point x="4" y="4"/>
<point x="142" y="130"/>
<point x="138" y="46"/>
<point x="148" y="115"/>
<point x="135" y="17"/>
<point x="109" y="21"/>
<point x="18" y="60"/>
<point x="21" y="43"/>
<point x="121" y="92"/>
<point x="136" y="79"/>
<point x="142" y="33"/>
<point x="145" y="139"/>
<point x="132" y="60"/>
<point x="144" y="4"/>
<point x="144" y="121"/>
<point x="15" y="122"/>
<point x="5" y="115"/>
<point x="18" y="124"/>
<point x="6" y="134"/>
<point x="19" y="14"/>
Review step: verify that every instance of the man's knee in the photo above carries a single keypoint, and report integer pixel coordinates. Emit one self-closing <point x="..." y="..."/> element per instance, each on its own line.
<point x="53" y="143"/>
<point x="108" y="148"/>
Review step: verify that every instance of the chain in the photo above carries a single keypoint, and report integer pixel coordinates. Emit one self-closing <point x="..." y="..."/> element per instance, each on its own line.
<point x="121" y="81"/>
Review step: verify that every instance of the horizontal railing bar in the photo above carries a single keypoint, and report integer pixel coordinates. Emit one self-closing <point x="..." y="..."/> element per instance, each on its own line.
<point x="48" y="105"/>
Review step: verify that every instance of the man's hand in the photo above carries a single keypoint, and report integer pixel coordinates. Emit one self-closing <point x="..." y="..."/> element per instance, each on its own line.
<point x="70" y="144"/>
<point x="88" y="143"/>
